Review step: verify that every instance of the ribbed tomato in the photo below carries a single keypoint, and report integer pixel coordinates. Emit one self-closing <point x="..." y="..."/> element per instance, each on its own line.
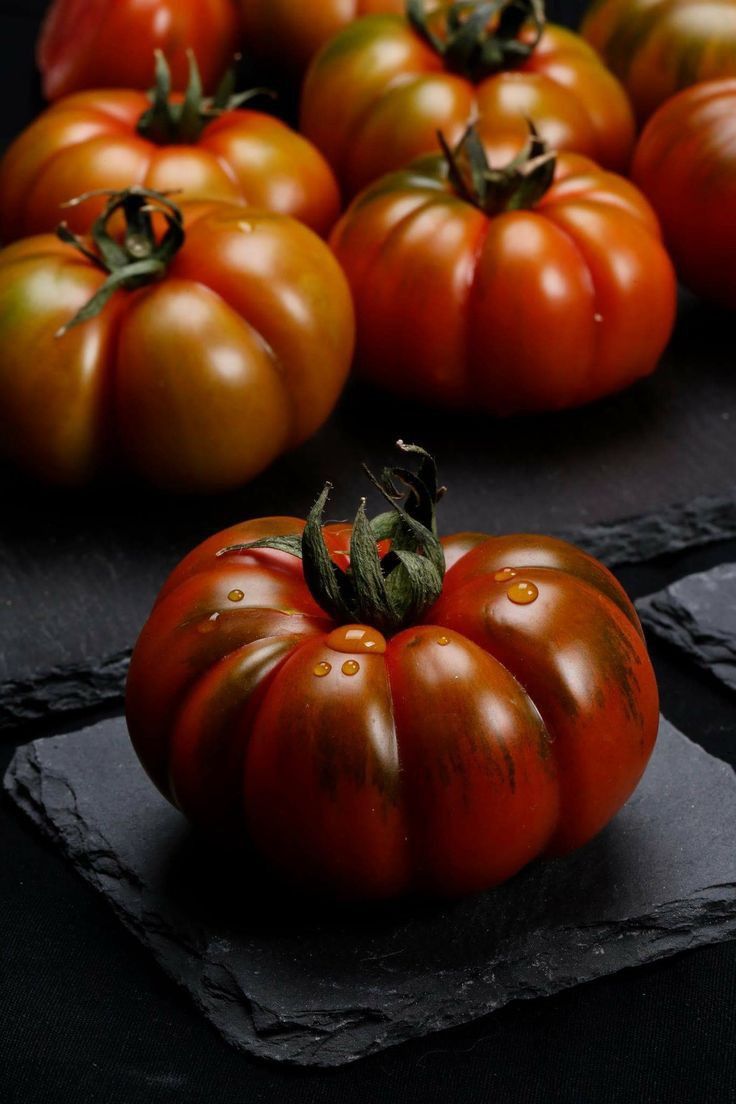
<point x="533" y="287"/>
<point x="194" y="147"/>
<point x="376" y="95"/>
<point x="290" y="34"/>
<point x="686" y="165"/>
<point x="196" y="359"/>
<point x="110" y="43"/>
<point x="657" y="47"/>
<point x="393" y="713"/>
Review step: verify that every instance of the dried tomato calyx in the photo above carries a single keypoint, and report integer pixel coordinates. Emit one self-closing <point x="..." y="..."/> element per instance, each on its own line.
<point x="517" y="186"/>
<point x="388" y="592"/>
<point x="139" y="258"/>
<point x="477" y="38"/>
<point x="181" y="123"/>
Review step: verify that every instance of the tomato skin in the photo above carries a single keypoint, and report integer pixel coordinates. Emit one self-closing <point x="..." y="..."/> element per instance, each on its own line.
<point x="291" y="34"/>
<point x="376" y="95"/>
<point x="686" y="165"/>
<point x="88" y="141"/>
<point x="657" y="47"/>
<point x="529" y="310"/>
<point x="197" y="381"/>
<point x="110" y="43"/>
<point x="488" y="735"/>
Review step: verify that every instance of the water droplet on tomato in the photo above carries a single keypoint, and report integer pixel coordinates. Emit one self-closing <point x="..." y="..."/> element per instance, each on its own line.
<point x="322" y="669"/>
<point x="236" y="596"/>
<point x="357" y="638"/>
<point x="209" y="625"/>
<point x="504" y="575"/>
<point x="523" y="593"/>
<point x="443" y="640"/>
<point x="350" y="667"/>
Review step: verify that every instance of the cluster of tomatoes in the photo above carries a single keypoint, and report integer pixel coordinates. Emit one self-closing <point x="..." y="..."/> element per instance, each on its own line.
<point x="452" y="221"/>
<point x="189" y="323"/>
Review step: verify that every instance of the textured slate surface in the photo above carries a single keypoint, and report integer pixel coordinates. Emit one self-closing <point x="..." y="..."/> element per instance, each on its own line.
<point x="697" y="614"/>
<point x="284" y="981"/>
<point x="79" y="572"/>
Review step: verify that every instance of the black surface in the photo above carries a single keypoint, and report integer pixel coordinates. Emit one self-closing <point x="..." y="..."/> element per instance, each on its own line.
<point x="698" y="615"/>
<point x="324" y="986"/>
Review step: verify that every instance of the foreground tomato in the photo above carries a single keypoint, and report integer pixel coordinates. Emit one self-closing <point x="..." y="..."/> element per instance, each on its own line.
<point x="196" y="359"/>
<point x="109" y="43"/>
<point x="377" y="94"/>
<point x="393" y="713"/>
<point x="657" y="47"/>
<point x="195" y="147"/>
<point x="528" y="288"/>
<point x="290" y="33"/>
<point x="686" y="165"/>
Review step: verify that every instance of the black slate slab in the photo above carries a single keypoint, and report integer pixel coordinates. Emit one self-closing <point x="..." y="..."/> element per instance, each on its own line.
<point x="282" y="980"/>
<point x="79" y="572"/>
<point x="697" y="614"/>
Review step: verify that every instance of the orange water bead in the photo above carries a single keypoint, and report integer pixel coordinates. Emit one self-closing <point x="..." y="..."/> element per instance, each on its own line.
<point x="357" y="639"/>
<point x="505" y="575"/>
<point x="522" y="593"/>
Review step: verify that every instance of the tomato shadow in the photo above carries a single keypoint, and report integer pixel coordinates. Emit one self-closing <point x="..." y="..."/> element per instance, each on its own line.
<point x="235" y="896"/>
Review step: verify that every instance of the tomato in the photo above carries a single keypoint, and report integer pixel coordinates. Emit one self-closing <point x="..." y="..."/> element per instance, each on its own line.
<point x="193" y="147"/>
<point x="657" y="47"/>
<point x="376" y="95"/>
<point x="290" y="34"/>
<point x="686" y="165"/>
<point x="200" y="359"/>
<point x="506" y="290"/>
<point x="109" y="43"/>
<point x="371" y="727"/>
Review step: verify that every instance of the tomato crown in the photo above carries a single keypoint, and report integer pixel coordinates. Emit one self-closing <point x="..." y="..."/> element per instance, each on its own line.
<point x="389" y="592"/>
<point x="172" y="123"/>
<point x="140" y="258"/>
<point x="515" y="187"/>
<point x="477" y="38"/>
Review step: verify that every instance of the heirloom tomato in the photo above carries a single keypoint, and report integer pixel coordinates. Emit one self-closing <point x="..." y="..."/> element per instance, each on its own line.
<point x="290" y="33"/>
<point x="109" y="43"/>
<point x="196" y="147"/>
<point x="657" y="47"/>
<point x="686" y="164"/>
<point x="376" y="711"/>
<point x="376" y="95"/>
<point x="534" y="287"/>
<point x="196" y="356"/>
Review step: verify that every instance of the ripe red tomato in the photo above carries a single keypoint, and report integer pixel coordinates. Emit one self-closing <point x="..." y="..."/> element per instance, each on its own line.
<point x="657" y="47"/>
<point x="686" y="165"/>
<point x="203" y="356"/>
<point x="506" y="290"/>
<point x="193" y="147"/>
<point x="109" y="43"/>
<point x="377" y="94"/>
<point x="290" y="34"/>
<point x="378" y="729"/>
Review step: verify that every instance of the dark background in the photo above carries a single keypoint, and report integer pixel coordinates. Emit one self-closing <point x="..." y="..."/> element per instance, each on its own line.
<point x="86" y="1016"/>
